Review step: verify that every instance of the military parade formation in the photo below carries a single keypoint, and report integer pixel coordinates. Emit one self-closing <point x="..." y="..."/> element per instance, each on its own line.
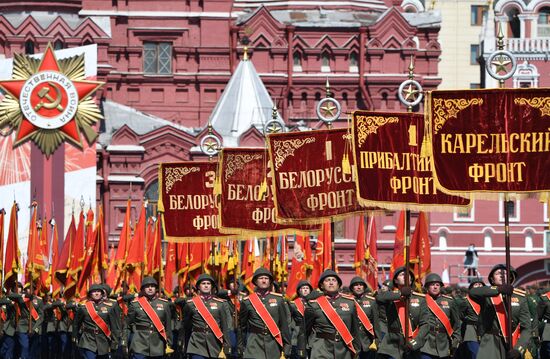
<point x="325" y="320"/>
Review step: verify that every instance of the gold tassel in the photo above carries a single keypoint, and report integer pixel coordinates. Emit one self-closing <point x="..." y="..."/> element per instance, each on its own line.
<point x="425" y="149"/>
<point x="217" y="186"/>
<point x="373" y="346"/>
<point x="282" y="355"/>
<point x="346" y="167"/>
<point x="168" y="350"/>
<point x="263" y="188"/>
<point x="222" y="354"/>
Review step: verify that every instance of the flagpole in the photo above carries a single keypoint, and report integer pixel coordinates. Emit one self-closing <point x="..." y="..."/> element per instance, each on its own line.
<point x="35" y="206"/>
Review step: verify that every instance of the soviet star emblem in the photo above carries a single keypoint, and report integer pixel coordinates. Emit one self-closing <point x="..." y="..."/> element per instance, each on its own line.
<point x="410" y="93"/>
<point x="49" y="101"/>
<point x="501" y="62"/>
<point x="328" y="109"/>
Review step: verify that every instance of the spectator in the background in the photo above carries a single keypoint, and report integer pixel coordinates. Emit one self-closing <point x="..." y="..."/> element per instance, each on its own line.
<point x="471" y="260"/>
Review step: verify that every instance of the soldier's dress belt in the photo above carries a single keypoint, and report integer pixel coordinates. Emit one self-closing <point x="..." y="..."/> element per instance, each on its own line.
<point x="329" y="336"/>
<point x="257" y="330"/>
<point x="144" y="327"/>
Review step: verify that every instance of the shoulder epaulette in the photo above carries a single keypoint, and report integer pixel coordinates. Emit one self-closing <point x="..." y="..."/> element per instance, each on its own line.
<point x="163" y="299"/>
<point x="348" y="296"/>
<point x="519" y="292"/>
<point x="245" y="298"/>
<point x="277" y="294"/>
<point x="447" y="296"/>
<point x="219" y="299"/>
<point x="369" y="297"/>
<point x="109" y="304"/>
<point x="189" y="300"/>
<point x="312" y="301"/>
<point x="419" y="294"/>
<point x="134" y="300"/>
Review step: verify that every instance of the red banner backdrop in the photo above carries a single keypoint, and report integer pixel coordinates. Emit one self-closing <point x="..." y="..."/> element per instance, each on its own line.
<point x="391" y="172"/>
<point x="247" y="205"/>
<point x="187" y="201"/>
<point x="490" y="141"/>
<point x="310" y="184"/>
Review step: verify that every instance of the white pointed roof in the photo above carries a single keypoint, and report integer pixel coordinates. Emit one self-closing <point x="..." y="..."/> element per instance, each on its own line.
<point x="244" y="103"/>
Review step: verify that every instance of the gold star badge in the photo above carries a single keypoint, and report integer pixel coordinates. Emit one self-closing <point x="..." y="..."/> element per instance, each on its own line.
<point x="501" y="62"/>
<point x="328" y="109"/>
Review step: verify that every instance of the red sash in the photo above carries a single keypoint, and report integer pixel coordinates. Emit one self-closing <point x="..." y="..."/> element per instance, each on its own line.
<point x="57" y="313"/>
<point x="266" y="317"/>
<point x="208" y="318"/>
<point x="97" y="319"/>
<point x="300" y="306"/>
<point x="336" y="321"/>
<point x="364" y="318"/>
<point x="401" y="313"/>
<point x="440" y="314"/>
<point x="30" y="307"/>
<point x="548" y="295"/>
<point x="3" y="315"/>
<point x="153" y="316"/>
<point x="515" y="336"/>
<point x="476" y="307"/>
<point x="122" y="305"/>
<point x="501" y="315"/>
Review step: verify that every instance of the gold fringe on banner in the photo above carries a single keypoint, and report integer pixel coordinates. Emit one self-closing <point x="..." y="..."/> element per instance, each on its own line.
<point x="400" y="206"/>
<point x="267" y="233"/>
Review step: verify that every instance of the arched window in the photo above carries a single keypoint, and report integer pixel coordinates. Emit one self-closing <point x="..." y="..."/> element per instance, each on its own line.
<point x="514" y="23"/>
<point x="152" y="194"/>
<point x="297" y="61"/>
<point x="325" y="62"/>
<point x="58" y="45"/>
<point x="543" y="23"/>
<point x="353" y="62"/>
<point x="29" y="47"/>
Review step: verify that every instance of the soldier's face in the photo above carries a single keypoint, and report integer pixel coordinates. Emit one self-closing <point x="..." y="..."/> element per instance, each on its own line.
<point x="263" y="282"/>
<point x="150" y="289"/>
<point x="358" y="289"/>
<point x="499" y="277"/>
<point x="96" y="295"/>
<point x="477" y="285"/>
<point x="434" y="288"/>
<point x="330" y="285"/>
<point x="205" y="287"/>
<point x="400" y="279"/>
<point x="304" y="290"/>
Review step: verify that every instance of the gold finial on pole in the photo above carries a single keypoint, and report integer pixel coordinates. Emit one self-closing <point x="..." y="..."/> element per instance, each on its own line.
<point x="327" y="87"/>
<point x="432" y="6"/>
<point x="500" y="38"/>
<point x="411" y="68"/>
<point x="274" y="112"/>
<point x="245" y="53"/>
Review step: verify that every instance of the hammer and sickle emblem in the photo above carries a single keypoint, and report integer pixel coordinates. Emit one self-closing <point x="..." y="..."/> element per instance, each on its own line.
<point x="54" y="103"/>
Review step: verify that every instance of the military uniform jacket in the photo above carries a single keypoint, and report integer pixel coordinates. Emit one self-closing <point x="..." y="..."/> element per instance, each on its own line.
<point x="89" y="335"/>
<point x="202" y="340"/>
<point x="146" y="339"/>
<point x="322" y="346"/>
<point x="22" y="320"/>
<point x="437" y="342"/>
<point x="393" y="343"/>
<point x="492" y="343"/>
<point x="468" y="320"/>
<point x="370" y="308"/>
<point x="543" y="311"/>
<point x="299" y="327"/>
<point x="50" y="318"/>
<point x="254" y="339"/>
<point x="8" y="309"/>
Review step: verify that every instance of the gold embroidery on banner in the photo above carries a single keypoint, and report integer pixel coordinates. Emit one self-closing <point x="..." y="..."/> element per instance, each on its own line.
<point x="286" y="148"/>
<point x="367" y="125"/>
<point x="446" y="109"/>
<point x="236" y="162"/>
<point x="346" y="136"/>
<point x="173" y="175"/>
<point x="542" y="103"/>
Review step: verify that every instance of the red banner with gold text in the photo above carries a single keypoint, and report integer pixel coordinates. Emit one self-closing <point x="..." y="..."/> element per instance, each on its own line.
<point x="247" y="205"/>
<point x="391" y="171"/>
<point x="310" y="182"/>
<point x="490" y="141"/>
<point x="187" y="201"/>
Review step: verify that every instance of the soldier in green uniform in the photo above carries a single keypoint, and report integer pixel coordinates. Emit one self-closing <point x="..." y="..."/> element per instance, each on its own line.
<point x="207" y="322"/>
<point x="29" y="311"/>
<point x="297" y="312"/>
<point x="443" y="336"/>
<point x="532" y="303"/>
<point x="393" y="345"/>
<point x="263" y="321"/>
<point x="469" y="310"/>
<point x="331" y="321"/>
<point x="95" y="328"/>
<point x="7" y="331"/>
<point x="492" y="323"/>
<point x="384" y="287"/>
<point x="149" y="319"/>
<point x="368" y="337"/>
<point x="543" y="311"/>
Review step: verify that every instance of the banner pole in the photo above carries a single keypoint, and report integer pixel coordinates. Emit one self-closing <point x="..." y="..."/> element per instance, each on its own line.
<point x="407" y="226"/>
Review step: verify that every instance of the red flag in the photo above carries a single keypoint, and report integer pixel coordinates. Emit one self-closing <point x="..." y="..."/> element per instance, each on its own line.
<point x="12" y="265"/>
<point x="298" y="271"/>
<point x="153" y="259"/>
<point x="76" y="259"/>
<point x="170" y="273"/>
<point x="63" y="261"/>
<point x="44" y="286"/>
<point x="360" y="249"/>
<point x="114" y="279"/>
<point x="136" y="252"/>
<point x="420" y="248"/>
<point x="399" y="245"/>
<point x="35" y="261"/>
<point x="323" y="253"/>
<point x="2" y="213"/>
<point x="52" y="280"/>
<point x="247" y="270"/>
<point x="371" y="256"/>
